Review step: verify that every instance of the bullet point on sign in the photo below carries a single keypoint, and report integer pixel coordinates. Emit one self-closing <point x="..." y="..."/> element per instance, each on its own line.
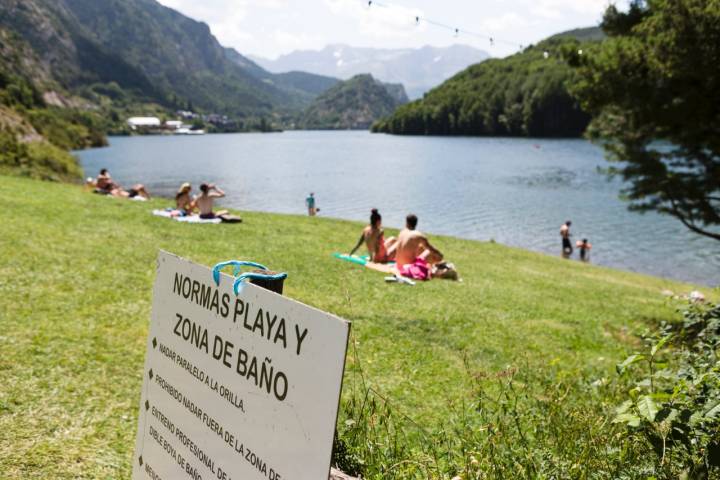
<point x="147" y="405"/>
<point x="154" y="342"/>
<point x="141" y="462"/>
<point x="151" y="374"/>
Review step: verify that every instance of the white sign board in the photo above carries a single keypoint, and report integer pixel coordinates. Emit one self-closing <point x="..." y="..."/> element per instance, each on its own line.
<point x="236" y="387"/>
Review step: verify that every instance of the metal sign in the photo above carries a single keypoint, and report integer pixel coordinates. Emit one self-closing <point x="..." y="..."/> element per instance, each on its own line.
<point x="237" y="387"/>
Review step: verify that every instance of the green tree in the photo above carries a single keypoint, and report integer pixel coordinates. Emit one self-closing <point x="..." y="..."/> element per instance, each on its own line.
<point x="654" y="90"/>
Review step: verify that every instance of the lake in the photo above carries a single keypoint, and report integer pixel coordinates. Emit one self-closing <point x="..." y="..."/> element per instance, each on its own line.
<point x="515" y="191"/>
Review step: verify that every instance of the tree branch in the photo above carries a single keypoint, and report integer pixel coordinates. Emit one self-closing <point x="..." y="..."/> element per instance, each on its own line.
<point x="691" y="225"/>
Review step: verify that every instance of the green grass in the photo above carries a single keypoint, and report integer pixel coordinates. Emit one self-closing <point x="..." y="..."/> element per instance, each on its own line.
<point x="76" y="272"/>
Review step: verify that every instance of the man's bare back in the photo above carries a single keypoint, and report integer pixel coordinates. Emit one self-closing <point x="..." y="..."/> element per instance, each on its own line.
<point x="412" y="244"/>
<point x="565" y="231"/>
<point x="205" y="201"/>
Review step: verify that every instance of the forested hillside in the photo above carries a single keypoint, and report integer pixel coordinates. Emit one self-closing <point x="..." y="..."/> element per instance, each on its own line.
<point x="353" y="104"/>
<point x="525" y="94"/>
<point x="35" y="136"/>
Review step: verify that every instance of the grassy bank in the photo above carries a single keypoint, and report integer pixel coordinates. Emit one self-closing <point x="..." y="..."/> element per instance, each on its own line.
<point x="76" y="271"/>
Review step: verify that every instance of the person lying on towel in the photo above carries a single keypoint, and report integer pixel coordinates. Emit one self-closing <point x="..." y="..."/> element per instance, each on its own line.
<point x="414" y="255"/>
<point x="105" y="185"/>
<point x="374" y="238"/>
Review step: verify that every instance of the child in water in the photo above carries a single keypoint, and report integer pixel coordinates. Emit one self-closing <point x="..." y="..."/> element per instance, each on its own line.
<point x="584" y="248"/>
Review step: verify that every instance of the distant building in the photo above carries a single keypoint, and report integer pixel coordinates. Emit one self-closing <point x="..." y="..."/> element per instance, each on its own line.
<point x="187" y="115"/>
<point x="144" y="123"/>
<point x="173" y="124"/>
<point x="217" y="119"/>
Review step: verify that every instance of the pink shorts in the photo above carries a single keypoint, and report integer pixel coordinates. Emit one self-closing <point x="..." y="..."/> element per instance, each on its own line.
<point x="418" y="270"/>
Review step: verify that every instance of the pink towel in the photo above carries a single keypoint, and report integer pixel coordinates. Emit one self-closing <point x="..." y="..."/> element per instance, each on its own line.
<point x="418" y="270"/>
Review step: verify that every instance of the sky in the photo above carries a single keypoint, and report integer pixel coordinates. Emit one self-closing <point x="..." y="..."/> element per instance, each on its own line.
<point x="269" y="28"/>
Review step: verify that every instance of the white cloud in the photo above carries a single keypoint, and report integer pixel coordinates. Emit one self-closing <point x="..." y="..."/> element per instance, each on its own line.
<point x="379" y="20"/>
<point x="225" y="17"/>
<point x="505" y="23"/>
<point x="228" y="19"/>
<point x="273" y="27"/>
<point x="291" y="41"/>
<point x="556" y="9"/>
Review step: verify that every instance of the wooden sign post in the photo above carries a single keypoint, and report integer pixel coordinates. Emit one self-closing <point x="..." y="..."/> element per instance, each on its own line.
<point x="236" y="387"/>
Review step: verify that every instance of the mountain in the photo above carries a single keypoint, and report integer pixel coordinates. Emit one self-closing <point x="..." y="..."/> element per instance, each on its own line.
<point x="353" y="104"/>
<point x="417" y="69"/>
<point x="73" y="70"/>
<point x="151" y="52"/>
<point x="305" y="86"/>
<point x="526" y="94"/>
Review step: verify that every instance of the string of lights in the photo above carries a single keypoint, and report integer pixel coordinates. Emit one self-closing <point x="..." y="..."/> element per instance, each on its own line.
<point x="457" y="31"/>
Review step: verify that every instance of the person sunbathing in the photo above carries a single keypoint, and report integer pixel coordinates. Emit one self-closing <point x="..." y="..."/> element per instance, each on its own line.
<point x="374" y="238"/>
<point x="414" y="255"/>
<point x="137" y="191"/>
<point x="206" y="200"/>
<point x="105" y="184"/>
<point x="184" y="203"/>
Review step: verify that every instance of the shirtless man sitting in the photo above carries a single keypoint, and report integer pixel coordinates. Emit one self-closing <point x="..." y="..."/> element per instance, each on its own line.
<point x="412" y="245"/>
<point x="204" y="202"/>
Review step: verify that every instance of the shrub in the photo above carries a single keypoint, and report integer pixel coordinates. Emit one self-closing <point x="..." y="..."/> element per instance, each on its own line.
<point x="39" y="160"/>
<point x="69" y="129"/>
<point x="674" y="405"/>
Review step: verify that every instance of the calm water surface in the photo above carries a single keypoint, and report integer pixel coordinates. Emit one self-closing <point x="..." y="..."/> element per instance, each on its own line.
<point x="515" y="191"/>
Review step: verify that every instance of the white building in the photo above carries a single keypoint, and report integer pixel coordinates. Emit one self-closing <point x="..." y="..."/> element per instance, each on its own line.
<point x="173" y="124"/>
<point x="146" y="123"/>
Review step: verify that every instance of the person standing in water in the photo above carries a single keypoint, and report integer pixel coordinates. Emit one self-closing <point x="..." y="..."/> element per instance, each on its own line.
<point x="567" y="248"/>
<point x="584" y="248"/>
<point x="310" y="202"/>
<point x="374" y="237"/>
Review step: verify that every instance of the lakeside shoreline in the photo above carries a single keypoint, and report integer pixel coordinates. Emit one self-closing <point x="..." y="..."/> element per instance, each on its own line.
<point x="517" y="192"/>
<point x="393" y="230"/>
<point x="438" y="237"/>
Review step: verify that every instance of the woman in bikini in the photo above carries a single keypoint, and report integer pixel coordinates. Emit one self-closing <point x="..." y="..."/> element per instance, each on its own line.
<point x="184" y="204"/>
<point x="374" y="237"/>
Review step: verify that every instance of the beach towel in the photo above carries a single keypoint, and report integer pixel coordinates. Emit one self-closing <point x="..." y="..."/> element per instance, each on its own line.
<point x="352" y="258"/>
<point x="186" y="219"/>
<point x="364" y="260"/>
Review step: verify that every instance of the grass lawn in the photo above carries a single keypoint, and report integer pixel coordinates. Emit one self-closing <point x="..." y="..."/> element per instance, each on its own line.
<point x="76" y="272"/>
